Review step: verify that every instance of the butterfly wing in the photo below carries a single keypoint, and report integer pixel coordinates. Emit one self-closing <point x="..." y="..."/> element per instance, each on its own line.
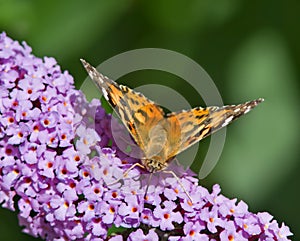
<point x="137" y="113"/>
<point x="198" y="123"/>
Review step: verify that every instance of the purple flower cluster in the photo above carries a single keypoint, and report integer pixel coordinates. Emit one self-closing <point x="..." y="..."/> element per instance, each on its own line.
<point x="59" y="164"/>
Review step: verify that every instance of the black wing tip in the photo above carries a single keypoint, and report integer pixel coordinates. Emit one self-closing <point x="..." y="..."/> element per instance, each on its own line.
<point x="95" y="74"/>
<point x="257" y="101"/>
<point x="86" y="65"/>
<point x="92" y="71"/>
<point x="83" y="62"/>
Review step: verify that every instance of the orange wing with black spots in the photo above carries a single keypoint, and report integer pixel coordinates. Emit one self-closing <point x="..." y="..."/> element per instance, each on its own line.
<point x="137" y="112"/>
<point x="198" y="123"/>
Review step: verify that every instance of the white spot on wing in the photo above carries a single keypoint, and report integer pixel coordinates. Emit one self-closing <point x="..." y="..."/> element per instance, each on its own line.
<point x="248" y="109"/>
<point x="227" y="121"/>
<point x="99" y="79"/>
<point x="105" y="93"/>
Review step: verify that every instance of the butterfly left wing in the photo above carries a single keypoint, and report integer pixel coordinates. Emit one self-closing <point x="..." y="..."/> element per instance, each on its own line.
<point x="198" y="123"/>
<point x="137" y="113"/>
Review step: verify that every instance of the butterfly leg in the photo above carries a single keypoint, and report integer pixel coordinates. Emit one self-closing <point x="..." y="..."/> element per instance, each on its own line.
<point x="126" y="173"/>
<point x="180" y="183"/>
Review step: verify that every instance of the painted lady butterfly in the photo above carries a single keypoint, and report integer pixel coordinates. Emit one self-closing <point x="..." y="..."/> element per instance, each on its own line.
<point x="161" y="137"/>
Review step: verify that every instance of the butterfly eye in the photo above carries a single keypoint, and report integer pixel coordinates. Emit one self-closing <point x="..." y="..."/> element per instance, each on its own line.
<point x="152" y="162"/>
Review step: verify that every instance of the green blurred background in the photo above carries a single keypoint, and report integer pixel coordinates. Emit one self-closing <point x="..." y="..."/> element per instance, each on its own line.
<point x="250" y="49"/>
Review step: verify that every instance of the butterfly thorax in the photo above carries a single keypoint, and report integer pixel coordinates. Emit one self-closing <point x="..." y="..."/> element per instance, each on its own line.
<point x="155" y="150"/>
<point x="154" y="164"/>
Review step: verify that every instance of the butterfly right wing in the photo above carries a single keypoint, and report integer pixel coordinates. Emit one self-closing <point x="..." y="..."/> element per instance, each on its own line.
<point x="137" y="113"/>
<point x="189" y="127"/>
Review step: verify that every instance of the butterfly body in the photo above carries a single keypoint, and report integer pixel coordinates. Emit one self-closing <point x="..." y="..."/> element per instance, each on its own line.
<point x="162" y="136"/>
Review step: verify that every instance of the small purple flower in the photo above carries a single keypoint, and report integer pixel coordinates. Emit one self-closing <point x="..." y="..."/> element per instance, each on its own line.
<point x="212" y="219"/>
<point x="130" y="211"/>
<point x="167" y="215"/>
<point x="31" y="87"/>
<point x="17" y="134"/>
<point x="192" y="231"/>
<point x="117" y="238"/>
<point x="230" y="233"/>
<point x="88" y="138"/>
<point x="138" y="235"/>
<point x="282" y="232"/>
<point x="62" y="208"/>
<point x="148" y="218"/>
<point x="109" y="212"/>
<point x="97" y="227"/>
<point x="62" y="168"/>
<point x="87" y="209"/>
<point x="249" y="225"/>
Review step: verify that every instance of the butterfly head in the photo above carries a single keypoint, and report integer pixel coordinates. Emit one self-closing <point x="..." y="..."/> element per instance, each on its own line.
<point x="154" y="164"/>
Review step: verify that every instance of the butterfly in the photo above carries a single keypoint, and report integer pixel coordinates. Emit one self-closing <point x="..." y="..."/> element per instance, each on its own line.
<point x="162" y="136"/>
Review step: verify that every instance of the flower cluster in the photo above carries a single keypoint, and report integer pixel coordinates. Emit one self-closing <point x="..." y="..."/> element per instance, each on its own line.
<point x="62" y="171"/>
